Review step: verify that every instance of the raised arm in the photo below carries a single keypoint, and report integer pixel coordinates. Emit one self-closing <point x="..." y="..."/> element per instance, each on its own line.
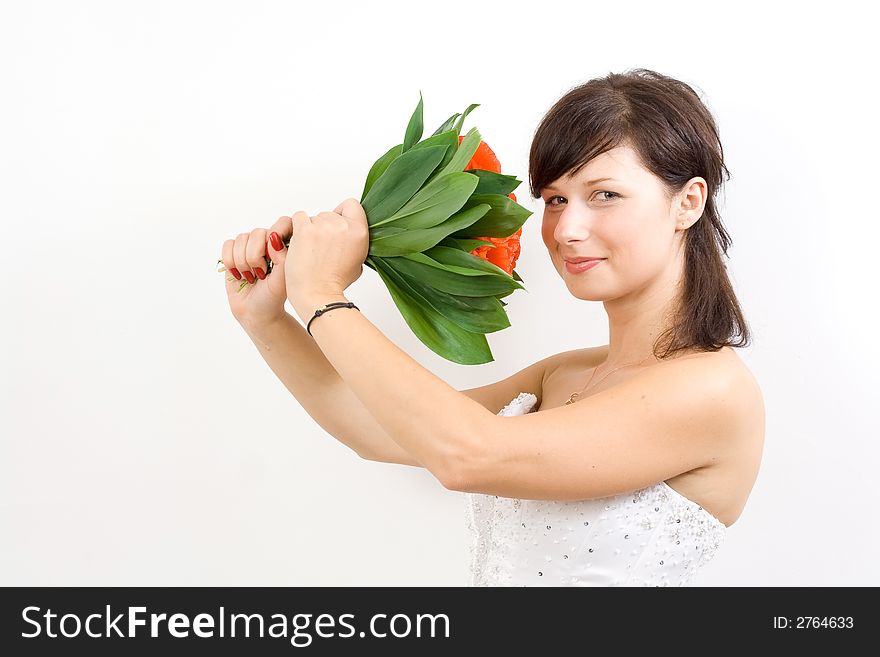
<point x="298" y="362"/>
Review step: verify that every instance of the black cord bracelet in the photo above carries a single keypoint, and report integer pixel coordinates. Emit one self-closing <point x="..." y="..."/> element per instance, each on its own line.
<point x="328" y="307"/>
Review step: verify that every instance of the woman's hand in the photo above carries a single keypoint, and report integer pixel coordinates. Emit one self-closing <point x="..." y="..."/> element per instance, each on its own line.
<point x="327" y="254"/>
<point x="262" y="299"/>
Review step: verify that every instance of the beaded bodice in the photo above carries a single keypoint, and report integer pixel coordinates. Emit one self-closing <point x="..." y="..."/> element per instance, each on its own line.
<point x="649" y="537"/>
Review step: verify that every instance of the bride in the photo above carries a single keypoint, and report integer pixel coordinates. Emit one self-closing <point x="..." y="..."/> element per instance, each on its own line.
<point x="620" y="464"/>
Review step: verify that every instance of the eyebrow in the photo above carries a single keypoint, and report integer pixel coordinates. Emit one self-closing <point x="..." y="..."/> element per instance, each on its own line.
<point x="586" y="184"/>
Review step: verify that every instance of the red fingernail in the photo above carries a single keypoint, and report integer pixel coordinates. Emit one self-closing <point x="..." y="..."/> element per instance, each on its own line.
<point x="235" y="273"/>
<point x="276" y="241"/>
<point x="260" y="273"/>
<point x="250" y="277"/>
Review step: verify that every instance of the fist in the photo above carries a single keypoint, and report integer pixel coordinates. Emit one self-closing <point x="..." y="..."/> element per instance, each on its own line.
<point x="327" y="251"/>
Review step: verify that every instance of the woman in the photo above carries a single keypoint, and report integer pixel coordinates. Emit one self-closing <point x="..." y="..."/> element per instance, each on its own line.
<point x="614" y="465"/>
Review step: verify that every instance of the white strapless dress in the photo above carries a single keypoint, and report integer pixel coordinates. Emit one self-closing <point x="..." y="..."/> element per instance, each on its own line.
<point x="649" y="537"/>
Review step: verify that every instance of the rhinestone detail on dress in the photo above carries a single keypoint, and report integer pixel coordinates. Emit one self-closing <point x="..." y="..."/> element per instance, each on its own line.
<point x="649" y="537"/>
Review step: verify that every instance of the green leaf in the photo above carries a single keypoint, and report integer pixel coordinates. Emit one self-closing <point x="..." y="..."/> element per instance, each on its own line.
<point x="379" y="167"/>
<point x="382" y="242"/>
<point x="478" y="314"/>
<point x="516" y="276"/>
<point x="455" y="258"/>
<point x="404" y="177"/>
<point x="494" y="183"/>
<point x="503" y="220"/>
<point x="415" y="126"/>
<point x="441" y="336"/>
<point x="403" y="241"/>
<point x="456" y="283"/>
<point x="435" y="202"/>
<point x="464" y="245"/>
<point x="460" y="123"/>
<point x="448" y="139"/>
<point x="448" y="124"/>
<point x="457" y="269"/>
<point x="463" y="155"/>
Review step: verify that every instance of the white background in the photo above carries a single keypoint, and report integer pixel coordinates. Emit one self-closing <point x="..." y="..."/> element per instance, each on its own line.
<point x="144" y="440"/>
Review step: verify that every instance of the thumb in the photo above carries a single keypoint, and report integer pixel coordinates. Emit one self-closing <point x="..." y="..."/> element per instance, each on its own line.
<point x="351" y="208"/>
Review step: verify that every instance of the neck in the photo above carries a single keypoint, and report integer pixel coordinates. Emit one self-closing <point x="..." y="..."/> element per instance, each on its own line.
<point x="636" y="320"/>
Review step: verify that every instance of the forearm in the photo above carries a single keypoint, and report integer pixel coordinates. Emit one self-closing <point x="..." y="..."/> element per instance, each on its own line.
<point x="432" y="421"/>
<point x="293" y="356"/>
<point x="304" y="370"/>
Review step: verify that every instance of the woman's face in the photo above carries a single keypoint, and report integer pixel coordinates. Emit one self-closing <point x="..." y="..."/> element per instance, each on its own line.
<point x="627" y="221"/>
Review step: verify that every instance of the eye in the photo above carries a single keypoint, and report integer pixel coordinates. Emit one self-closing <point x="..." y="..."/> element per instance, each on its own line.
<point x="550" y="202"/>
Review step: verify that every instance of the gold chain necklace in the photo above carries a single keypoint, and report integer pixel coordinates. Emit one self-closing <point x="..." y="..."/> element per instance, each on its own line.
<point x="574" y="395"/>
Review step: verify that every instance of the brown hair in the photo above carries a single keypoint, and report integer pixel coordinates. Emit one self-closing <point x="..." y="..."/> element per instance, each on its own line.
<point x="676" y="138"/>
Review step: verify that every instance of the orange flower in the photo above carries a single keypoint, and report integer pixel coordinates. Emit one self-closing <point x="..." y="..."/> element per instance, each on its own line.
<point x="484" y="158"/>
<point x="506" y="249"/>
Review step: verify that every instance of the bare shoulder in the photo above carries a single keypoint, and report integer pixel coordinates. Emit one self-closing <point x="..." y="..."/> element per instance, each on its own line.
<point x="723" y="368"/>
<point x="727" y="378"/>
<point x="734" y="378"/>
<point x="724" y="485"/>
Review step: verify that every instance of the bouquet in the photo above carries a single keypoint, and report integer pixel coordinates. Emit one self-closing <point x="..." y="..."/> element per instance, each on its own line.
<point x="444" y="236"/>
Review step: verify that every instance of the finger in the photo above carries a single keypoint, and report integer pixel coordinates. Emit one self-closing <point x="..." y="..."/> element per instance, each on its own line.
<point x="328" y="216"/>
<point x="276" y="255"/>
<point x="300" y="220"/>
<point x="300" y="217"/>
<point x="256" y="252"/>
<point x="239" y="255"/>
<point x="323" y="218"/>
<point x="331" y="220"/>
<point x="228" y="260"/>
<point x="352" y="209"/>
<point x="284" y="228"/>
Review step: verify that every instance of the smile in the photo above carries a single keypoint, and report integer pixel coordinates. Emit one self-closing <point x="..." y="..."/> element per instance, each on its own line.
<point x="580" y="267"/>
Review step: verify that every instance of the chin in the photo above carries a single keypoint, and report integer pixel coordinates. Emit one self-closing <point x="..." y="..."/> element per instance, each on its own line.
<point x="581" y="290"/>
<point x="587" y="296"/>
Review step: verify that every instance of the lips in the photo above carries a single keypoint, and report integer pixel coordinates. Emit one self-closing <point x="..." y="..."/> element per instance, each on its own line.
<point x="585" y="265"/>
<point x="577" y="260"/>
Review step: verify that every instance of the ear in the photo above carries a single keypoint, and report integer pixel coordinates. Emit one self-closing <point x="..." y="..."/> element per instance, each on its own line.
<point x="693" y="200"/>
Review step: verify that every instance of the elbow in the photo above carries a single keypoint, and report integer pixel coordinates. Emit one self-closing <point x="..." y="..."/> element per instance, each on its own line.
<point x="463" y="468"/>
<point x="397" y="457"/>
<point x="454" y="479"/>
<point x="366" y="456"/>
<point x="371" y="455"/>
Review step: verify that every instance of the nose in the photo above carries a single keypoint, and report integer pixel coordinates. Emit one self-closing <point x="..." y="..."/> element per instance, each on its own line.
<point x="573" y="224"/>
